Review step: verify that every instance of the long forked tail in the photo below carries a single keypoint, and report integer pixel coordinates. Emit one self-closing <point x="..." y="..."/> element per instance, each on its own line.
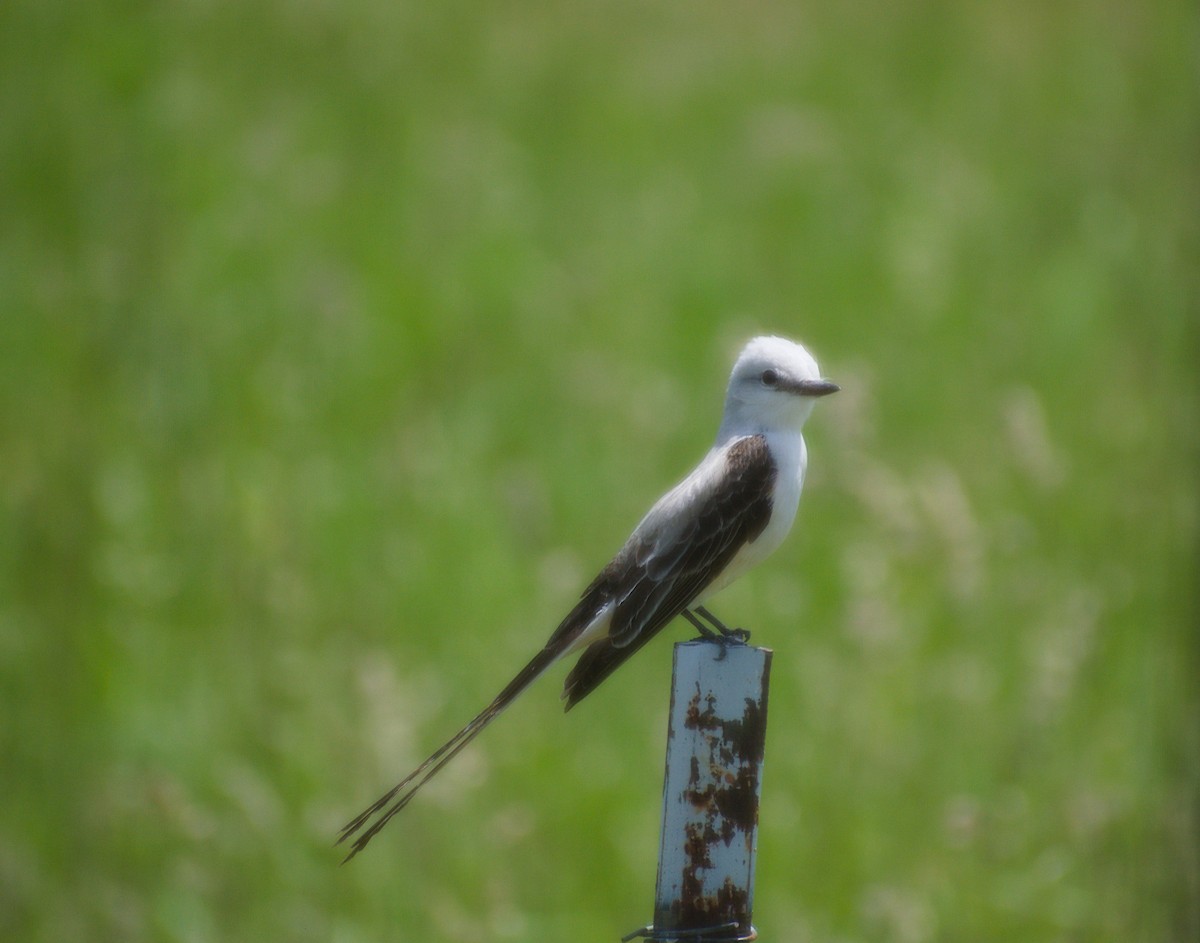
<point x="395" y="799"/>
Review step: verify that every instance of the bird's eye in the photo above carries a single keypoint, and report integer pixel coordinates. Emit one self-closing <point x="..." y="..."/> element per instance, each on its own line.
<point x="769" y="377"/>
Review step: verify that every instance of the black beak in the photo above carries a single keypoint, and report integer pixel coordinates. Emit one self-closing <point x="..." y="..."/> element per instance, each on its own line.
<point x="816" y="387"/>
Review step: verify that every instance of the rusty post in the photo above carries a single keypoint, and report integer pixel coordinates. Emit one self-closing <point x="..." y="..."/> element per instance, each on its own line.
<point x="715" y="740"/>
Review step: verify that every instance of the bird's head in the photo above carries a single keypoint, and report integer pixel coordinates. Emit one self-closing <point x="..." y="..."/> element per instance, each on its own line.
<point x="774" y="384"/>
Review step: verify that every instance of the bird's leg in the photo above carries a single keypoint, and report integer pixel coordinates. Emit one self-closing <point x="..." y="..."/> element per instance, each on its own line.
<point x="722" y="634"/>
<point x="728" y="634"/>
<point x="705" y="632"/>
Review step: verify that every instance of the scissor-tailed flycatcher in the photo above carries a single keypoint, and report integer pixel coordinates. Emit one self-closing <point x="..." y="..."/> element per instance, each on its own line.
<point x="733" y="510"/>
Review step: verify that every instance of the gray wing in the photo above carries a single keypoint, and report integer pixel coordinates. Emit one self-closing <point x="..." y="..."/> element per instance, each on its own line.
<point x="681" y="546"/>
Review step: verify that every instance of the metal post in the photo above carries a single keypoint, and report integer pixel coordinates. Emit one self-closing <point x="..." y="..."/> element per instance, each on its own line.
<point x="715" y="743"/>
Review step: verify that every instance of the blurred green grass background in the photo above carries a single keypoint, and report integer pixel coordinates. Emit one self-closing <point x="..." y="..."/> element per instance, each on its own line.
<point x="341" y="343"/>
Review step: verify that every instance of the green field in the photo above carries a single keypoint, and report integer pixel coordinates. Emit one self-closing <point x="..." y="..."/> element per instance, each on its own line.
<point x="341" y="343"/>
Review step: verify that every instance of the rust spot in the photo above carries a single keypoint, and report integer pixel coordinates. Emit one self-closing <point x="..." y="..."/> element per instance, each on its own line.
<point x="729" y="796"/>
<point x="691" y="887"/>
<point x="697" y="796"/>
<point x="695" y="848"/>
<point x="696" y="910"/>
<point x="697" y="719"/>
<point x="738" y="803"/>
<point x="732" y="902"/>
<point x="743" y="739"/>
<point x="746" y="738"/>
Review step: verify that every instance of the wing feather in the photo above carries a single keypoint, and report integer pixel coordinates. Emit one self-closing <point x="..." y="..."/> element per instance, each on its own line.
<point x="682" y="545"/>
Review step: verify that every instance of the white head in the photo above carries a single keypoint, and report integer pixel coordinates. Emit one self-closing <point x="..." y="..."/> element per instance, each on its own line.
<point x="774" y="385"/>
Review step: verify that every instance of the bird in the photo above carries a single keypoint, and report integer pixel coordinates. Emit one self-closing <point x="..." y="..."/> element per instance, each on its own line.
<point x="731" y="512"/>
